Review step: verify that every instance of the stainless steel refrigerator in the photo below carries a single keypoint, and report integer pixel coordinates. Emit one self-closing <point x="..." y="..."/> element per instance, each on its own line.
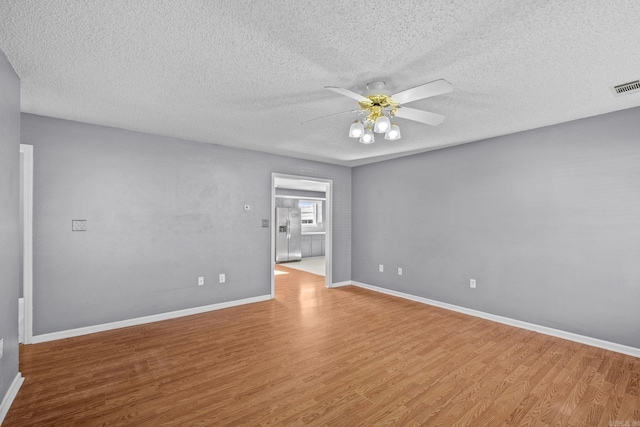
<point x="288" y="235"/>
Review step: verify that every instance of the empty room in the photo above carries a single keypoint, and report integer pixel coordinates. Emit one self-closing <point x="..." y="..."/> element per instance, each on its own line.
<point x="319" y="213"/>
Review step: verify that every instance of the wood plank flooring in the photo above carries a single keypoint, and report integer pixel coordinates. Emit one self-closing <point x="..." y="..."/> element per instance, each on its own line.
<point x="315" y="356"/>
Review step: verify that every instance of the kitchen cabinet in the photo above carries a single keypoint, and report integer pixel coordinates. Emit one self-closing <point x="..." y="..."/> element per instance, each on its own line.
<point x="316" y="245"/>
<point x="305" y="246"/>
<point x="312" y="245"/>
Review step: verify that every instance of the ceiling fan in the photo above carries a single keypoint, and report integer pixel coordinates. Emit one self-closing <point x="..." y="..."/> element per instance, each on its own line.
<point x="378" y="106"/>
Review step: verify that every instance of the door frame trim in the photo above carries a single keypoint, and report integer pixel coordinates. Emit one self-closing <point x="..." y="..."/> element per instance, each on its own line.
<point x="27" y="240"/>
<point x="328" y="247"/>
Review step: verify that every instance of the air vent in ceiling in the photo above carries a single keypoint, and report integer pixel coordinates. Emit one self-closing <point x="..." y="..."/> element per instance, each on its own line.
<point x="626" y="88"/>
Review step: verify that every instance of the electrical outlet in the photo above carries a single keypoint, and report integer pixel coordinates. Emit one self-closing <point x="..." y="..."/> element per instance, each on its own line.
<point x="381" y="268"/>
<point x="1" y="347"/>
<point x="223" y="278"/>
<point x="399" y="271"/>
<point x="472" y="283"/>
<point x="200" y="281"/>
<point x="78" y="225"/>
<point x="265" y="223"/>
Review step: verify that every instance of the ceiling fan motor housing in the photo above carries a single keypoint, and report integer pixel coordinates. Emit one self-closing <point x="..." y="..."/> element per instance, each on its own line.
<point x="376" y="104"/>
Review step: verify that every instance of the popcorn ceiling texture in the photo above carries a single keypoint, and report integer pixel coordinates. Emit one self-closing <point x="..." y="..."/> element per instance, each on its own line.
<point x="247" y="73"/>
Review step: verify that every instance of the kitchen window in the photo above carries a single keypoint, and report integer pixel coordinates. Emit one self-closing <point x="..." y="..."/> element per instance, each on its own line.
<point x="310" y="212"/>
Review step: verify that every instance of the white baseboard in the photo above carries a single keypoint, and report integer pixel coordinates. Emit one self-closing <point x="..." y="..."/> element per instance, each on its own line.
<point x="338" y="284"/>
<point x="594" y="342"/>
<point x="142" y="320"/>
<point x="10" y="395"/>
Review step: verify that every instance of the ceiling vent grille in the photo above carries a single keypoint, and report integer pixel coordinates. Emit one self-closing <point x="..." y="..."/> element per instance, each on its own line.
<point x="627" y="88"/>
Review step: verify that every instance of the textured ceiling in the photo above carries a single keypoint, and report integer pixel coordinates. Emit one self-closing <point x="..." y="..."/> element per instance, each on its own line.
<point x="247" y="73"/>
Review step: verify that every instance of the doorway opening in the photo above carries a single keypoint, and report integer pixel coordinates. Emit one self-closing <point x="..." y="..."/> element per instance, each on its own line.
<point x="301" y="225"/>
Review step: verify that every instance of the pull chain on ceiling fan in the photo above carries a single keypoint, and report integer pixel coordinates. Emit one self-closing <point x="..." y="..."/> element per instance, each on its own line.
<point x="378" y="107"/>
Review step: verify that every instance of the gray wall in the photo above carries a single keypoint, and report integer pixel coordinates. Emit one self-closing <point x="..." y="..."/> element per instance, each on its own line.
<point x="160" y="212"/>
<point x="10" y="243"/>
<point x="547" y="221"/>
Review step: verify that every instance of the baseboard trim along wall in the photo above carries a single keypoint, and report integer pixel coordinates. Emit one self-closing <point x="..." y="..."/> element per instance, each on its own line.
<point x="142" y="320"/>
<point x="338" y="284"/>
<point x="594" y="342"/>
<point x="10" y="395"/>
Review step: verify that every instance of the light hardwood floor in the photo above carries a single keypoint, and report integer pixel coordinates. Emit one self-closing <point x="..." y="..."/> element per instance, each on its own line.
<point x="314" y="356"/>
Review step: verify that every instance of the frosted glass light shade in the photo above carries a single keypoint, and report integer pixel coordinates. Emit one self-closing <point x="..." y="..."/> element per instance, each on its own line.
<point x="367" y="138"/>
<point x="356" y="130"/>
<point x="382" y="124"/>
<point x="393" y="133"/>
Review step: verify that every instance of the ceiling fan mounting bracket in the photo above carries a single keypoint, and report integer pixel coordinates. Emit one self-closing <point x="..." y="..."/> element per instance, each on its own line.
<point x="376" y="88"/>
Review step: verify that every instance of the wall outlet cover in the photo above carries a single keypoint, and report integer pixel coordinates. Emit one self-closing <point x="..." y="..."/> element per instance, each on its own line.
<point x="265" y="223"/>
<point x="78" y="225"/>
<point x="223" y="278"/>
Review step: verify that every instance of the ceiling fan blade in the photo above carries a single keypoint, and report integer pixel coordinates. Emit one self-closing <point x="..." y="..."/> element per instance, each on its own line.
<point x="427" y="90"/>
<point x="348" y="93"/>
<point x="433" y="119"/>
<point x="330" y="115"/>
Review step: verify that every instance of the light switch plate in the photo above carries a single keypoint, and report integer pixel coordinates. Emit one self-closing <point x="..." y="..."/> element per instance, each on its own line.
<point x="78" y="225"/>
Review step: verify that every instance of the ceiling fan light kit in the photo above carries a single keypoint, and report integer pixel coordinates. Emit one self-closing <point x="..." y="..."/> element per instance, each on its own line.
<point x="382" y="124"/>
<point x="393" y="133"/>
<point x="362" y="128"/>
<point x="356" y="130"/>
<point x="377" y="108"/>
<point x="368" y="137"/>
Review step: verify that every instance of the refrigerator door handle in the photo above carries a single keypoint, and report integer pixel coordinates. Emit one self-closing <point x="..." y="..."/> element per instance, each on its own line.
<point x="288" y="229"/>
